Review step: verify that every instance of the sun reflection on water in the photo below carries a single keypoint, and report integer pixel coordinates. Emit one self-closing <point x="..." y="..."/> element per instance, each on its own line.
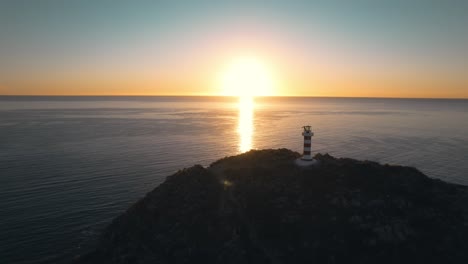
<point x="245" y="126"/>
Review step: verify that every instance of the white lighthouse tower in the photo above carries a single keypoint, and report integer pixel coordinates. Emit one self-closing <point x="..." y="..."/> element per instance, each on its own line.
<point x="307" y="153"/>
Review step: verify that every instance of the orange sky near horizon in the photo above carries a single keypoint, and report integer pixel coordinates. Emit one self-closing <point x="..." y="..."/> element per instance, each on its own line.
<point x="197" y="74"/>
<point x="203" y="83"/>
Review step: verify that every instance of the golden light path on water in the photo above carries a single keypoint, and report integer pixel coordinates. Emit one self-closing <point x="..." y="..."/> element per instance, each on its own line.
<point x="245" y="127"/>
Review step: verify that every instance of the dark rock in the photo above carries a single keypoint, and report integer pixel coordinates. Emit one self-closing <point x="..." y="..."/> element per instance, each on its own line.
<point x="259" y="207"/>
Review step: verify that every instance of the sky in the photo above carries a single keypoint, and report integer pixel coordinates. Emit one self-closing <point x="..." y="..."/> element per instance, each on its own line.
<point x="309" y="48"/>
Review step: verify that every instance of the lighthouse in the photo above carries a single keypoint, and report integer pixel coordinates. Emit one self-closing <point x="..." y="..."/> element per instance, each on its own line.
<point x="306" y="160"/>
<point x="307" y="153"/>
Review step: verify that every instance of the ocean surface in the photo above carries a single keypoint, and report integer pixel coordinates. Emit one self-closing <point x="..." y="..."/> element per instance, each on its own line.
<point x="68" y="165"/>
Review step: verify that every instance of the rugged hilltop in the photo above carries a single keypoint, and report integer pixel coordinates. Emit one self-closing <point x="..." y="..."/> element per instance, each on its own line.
<point x="259" y="207"/>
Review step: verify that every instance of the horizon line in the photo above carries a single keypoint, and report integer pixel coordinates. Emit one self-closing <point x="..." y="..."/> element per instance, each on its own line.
<point x="198" y="95"/>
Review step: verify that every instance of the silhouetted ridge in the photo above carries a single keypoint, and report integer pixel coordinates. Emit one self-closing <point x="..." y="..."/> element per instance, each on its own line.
<point x="259" y="207"/>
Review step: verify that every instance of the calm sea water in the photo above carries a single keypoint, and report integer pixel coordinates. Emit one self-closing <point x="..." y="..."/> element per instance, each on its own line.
<point x="68" y="165"/>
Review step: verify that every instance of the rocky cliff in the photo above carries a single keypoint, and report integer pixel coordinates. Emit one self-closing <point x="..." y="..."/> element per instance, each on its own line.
<point x="259" y="207"/>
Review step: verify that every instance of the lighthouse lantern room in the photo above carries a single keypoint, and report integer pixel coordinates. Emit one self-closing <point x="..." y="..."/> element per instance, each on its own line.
<point x="307" y="133"/>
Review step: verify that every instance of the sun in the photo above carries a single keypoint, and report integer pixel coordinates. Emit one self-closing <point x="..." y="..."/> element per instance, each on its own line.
<point x="246" y="77"/>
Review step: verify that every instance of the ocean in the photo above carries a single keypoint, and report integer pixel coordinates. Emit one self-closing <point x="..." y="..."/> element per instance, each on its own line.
<point x="69" y="165"/>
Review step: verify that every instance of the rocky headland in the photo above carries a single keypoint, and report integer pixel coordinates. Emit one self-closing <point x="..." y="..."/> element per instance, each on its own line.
<point x="259" y="207"/>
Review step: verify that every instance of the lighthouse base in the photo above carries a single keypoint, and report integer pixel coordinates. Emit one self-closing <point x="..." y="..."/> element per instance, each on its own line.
<point x="305" y="163"/>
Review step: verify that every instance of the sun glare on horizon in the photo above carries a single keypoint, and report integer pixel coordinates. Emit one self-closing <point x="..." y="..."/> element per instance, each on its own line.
<point x="247" y="76"/>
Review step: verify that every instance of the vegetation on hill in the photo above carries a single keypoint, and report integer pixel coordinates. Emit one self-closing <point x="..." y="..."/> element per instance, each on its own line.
<point x="259" y="207"/>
